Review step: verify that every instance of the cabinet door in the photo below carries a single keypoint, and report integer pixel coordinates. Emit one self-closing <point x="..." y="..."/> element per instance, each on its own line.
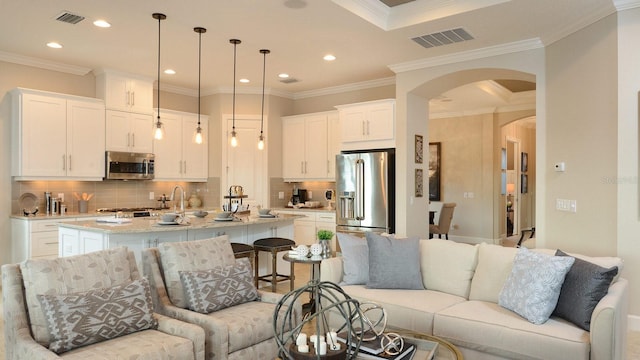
<point x="352" y="123"/>
<point x="194" y="156"/>
<point x="117" y="94"/>
<point x="293" y="137"/>
<point x="168" y="151"/>
<point x="118" y="131"/>
<point x="333" y="144"/>
<point x="141" y="133"/>
<point x="43" y="136"/>
<point x="380" y="122"/>
<point x="304" y="229"/>
<point x="85" y="139"/>
<point x="316" y="147"/>
<point x="141" y="93"/>
<point x="69" y="242"/>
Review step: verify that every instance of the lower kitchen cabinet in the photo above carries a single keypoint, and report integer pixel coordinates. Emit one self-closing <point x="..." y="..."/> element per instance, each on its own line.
<point x="34" y="239"/>
<point x="305" y="228"/>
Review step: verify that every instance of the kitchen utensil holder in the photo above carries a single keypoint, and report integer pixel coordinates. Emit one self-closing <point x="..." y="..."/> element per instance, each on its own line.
<point x="83" y="206"/>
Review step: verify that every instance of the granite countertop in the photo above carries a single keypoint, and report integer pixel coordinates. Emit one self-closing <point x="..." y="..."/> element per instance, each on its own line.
<point x="150" y="224"/>
<point x="316" y="209"/>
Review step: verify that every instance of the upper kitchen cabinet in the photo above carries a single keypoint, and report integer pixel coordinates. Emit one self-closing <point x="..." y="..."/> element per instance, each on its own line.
<point x="57" y="136"/>
<point x="368" y="125"/>
<point x="130" y="132"/>
<point x="178" y="157"/>
<point x="125" y="92"/>
<point x="306" y="147"/>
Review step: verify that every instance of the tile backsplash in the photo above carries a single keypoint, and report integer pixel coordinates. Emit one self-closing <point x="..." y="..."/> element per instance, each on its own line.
<point x="113" y="193"/>
<point x="317" y="189"/>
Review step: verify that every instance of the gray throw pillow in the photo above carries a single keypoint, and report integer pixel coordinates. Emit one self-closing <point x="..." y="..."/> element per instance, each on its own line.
<point x="94" y="316"/>
<point x="221" y="287"/>
<point x="355" y="259"/>
<point x="533" y="286"/>
<point x="584" y="286"/>
<point x="394" y="263"/>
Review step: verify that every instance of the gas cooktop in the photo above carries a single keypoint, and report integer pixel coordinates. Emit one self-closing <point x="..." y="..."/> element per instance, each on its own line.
<point x="109" y="210"/>
<point x="131" y="212"/>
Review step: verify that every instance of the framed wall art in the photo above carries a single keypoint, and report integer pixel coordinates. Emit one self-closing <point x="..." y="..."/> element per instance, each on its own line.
<point x="524" y="162"/>
<point x="419" y="183"/>
<point x="434" y="171"/>
<point x="419" y="149"/>
<point x="524" y="181"/>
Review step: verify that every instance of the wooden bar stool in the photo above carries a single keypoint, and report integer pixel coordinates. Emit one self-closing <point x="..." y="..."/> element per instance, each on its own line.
<point x="243" y="250"/>
<point x="274" y="245"/>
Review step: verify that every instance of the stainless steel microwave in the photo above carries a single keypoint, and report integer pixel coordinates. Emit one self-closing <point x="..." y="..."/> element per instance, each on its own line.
<point x="129" y="166"/>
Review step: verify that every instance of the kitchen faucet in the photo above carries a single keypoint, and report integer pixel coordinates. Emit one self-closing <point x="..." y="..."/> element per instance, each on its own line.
<point x="173" y="193"/>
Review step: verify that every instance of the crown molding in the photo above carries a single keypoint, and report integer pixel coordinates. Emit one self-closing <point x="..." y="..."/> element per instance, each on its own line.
<point x="475" y="54"/>
<point x="570" y="28"/>
<point x="345" y="88"/>
<point x="43" y="64"/>
<point x="626" y="4"/>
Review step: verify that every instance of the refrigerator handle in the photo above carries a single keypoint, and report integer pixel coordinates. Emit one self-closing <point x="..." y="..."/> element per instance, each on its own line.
<point x="359" y="196"/>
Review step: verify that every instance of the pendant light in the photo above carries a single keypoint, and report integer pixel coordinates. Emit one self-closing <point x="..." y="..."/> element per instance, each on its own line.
<point x="234" y="139"/>
<point x="264" y="53"/>
<point x="159" y="129"/>
<point x="197" y="137"/>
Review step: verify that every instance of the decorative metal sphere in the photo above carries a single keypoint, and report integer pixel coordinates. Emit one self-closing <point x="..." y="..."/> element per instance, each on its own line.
<point x="331" y="310"/>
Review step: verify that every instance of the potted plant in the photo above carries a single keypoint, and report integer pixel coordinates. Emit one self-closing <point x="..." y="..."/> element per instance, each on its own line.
<point x="325" y="236"/>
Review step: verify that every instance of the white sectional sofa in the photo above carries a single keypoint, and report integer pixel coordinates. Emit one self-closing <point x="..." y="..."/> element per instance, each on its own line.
<point x="460" y="302"/>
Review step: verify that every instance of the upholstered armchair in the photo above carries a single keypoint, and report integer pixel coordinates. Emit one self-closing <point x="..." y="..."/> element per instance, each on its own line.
<point x="91" y="306"/>
<point x="201" y="282"/>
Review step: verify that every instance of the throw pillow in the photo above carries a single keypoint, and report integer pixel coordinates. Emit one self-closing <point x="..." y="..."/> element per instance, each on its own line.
<point x="93" y="316"/>
<point x="533" y="287"/>
<point x="448" y="266"/>
<point x="192" y="256"/>
<point x="493" y="269"/>
<point x="219" y="288"/>
<point x="584" y="286"/>
<point x="394" y="263"/>
<point x="355" y="259"/>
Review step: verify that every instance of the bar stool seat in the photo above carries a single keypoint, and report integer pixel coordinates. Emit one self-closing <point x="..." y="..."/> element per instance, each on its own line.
<point x="274" y="245"/>
<point x="243" y="250"/>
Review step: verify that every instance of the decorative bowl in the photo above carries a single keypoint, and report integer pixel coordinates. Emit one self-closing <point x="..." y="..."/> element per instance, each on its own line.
<point x="264" y="211"/>
<point x="200" y="213"/>
<point x="169" y="217"/>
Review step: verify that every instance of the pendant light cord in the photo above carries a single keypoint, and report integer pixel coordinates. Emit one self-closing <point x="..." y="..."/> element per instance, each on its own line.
<point x="264" y="68"/>
<point x="235" y="44"/>
<point x="159" y="17"/>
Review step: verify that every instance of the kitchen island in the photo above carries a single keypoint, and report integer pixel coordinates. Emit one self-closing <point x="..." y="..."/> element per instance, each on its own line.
<point x="83" y="236"/>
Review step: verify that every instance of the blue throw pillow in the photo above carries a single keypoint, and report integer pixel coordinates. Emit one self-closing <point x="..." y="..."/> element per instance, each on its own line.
<point x="394" y="263"/>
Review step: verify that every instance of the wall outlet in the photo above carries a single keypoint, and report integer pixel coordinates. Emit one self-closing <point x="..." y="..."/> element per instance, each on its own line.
<point x="281" y="195"/>
<point x="152" y="195"/>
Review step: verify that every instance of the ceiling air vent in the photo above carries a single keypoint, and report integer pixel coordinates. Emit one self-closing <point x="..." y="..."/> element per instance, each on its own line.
<point x="69" y="18"/>
<point x="445" y="37"/>
<point x="289" y="80"/>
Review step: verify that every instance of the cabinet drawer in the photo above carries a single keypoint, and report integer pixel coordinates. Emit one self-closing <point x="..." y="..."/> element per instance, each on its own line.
<point x="326" y="217"/>
<point x="44" y="244"/>
<point x="44" y="225"/>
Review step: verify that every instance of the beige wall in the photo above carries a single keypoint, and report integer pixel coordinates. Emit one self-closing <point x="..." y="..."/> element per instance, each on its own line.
<point x="328" y="102"/>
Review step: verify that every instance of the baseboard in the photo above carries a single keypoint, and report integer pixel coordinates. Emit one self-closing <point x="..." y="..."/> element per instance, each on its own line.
<point x="633" y="322"/>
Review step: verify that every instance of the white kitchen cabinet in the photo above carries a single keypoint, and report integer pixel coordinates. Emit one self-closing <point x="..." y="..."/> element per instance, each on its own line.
<point x="57" y="136"/>
<point x="306" y="147"/>
<point x="305" y="228"/>
<point x="368" y="125"/>
<point x="178" y="157"/>
<point x="327" y="221"/>
<point x="141" y="241"/>
<point x="125" y="92"/>
<point x="333" y="144"/>
<point x="33" y="239"/>
<point x="129" y="132"/>
<point x="237" y="234"/>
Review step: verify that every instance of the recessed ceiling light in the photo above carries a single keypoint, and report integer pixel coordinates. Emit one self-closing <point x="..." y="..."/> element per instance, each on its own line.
<point x="101" y="23"/>
<point x="244" y="81"/>
<point x="283" y="76"/>
<point x="329" y="57"/>
<point x="170" y="72"/>
<point x="54" y="45"/>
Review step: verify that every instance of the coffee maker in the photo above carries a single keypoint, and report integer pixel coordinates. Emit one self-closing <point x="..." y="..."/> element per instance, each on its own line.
<point x="299" y="196"/>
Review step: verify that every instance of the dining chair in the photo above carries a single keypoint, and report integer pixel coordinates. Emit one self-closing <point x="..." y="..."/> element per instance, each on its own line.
<point x="444" y="223"/>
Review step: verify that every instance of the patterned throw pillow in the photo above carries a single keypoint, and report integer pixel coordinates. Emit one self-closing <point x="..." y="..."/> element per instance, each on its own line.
<point x="221" y="287"/>
<point x="533" y="287"/>
<point x="93" y="316"/>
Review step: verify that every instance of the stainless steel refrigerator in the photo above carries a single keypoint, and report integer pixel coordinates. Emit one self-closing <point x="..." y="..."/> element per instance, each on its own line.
<point x="365" y="189"/>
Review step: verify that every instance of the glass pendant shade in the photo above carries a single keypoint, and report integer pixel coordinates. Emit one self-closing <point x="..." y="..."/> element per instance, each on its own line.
<point x="197" y="136"/>
<point x="234" y="139"/>
<point x="158" y="131"/>
<point x="261" y="143"/>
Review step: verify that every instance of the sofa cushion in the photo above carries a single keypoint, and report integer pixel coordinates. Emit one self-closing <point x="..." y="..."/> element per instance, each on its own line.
<point x="584" y="286"/>
<point x="85" y="318"/>
<point x="407" y="309"/>
<point x="448" y="266"/>
<point x="220" y="287"/>
<point x="148" y="344"/>
<point x="355" y="257"/>
<point x="189" y="256"/>
<point x="393" y="263"/>
<point x="533" y="287"/>
<point x="490" y="328"/>
<point x="494" y="266"/>
<point x="100" y="269"/>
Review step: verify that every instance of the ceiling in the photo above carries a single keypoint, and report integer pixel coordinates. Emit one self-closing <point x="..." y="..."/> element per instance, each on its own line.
<point x="366" y="36"/>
